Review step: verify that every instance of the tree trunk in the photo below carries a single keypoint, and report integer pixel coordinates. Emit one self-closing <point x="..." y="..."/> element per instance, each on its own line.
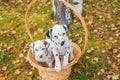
<point x="62" y="13"/>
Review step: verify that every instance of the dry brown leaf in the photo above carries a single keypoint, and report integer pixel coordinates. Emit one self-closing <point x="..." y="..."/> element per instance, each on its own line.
<point x="17" y="72"/>
<point x="4" y="68"/>
<point x="103" y="51"/>
<point x="109" y="62"/>
<point x="21" y="55"/>
<point x="9" y="47"/>
<point x="115" y="67"/>
<point x="109" y="76"/>
<point x="13" y="61"/>
<point x="109" y="16"/>
<point x="115" y="50"/>
<point x="115" y="76"/>
<point x="29" y="78"/>
<point x="13" y="31"/>
<point x="80" y="40"/>
<point x="1" y="75"/>
<point x="89" y="51"/>
<point x="35" y="33"/>
<point x="2" y="78"/>
<point x="76" y="70"/>
<point x="96" y="59"/>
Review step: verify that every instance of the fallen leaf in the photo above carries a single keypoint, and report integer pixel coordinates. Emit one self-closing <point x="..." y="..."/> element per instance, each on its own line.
<point x="4" y="68"/>
<point x="29" y="78"/>
<point x="115" y="50"/>
<point x="1" y="75"/>
<point x="90" y="50"/>
<point x="115" y="67"/>
<point x="30" y="73"/>
<point x="17" y="72"/>
<point x="13" y="61"/>
<point x="2" y="78"/>
<point x="80" y="40"/>
<point x="9" y="47"/>
<point x="109" y="62"/>
<point x="103" y="51"/>
<point x="109" y="76"/>
<point x="96" y="59"/>
<point x="13" y="31"/>
<point x="21" y="55"/>
<point x="76" y="70"/>
<point x="87" y="57"/>
<point x="115" y="77"/>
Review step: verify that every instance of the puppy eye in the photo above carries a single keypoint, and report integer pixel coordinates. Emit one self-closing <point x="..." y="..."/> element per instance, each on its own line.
<point x="43" y="48"/>
<point x="63" y="34"/>
<point x="55" y="36"/>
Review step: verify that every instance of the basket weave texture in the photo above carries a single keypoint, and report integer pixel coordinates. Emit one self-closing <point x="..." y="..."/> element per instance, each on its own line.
<point x="50" y="73"/>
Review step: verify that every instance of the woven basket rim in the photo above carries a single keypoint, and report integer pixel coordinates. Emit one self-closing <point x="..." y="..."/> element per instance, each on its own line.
<point x="52" y="69"/>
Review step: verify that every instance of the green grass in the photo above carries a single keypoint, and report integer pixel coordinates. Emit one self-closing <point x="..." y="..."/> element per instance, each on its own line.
<point x="12" y="19"/>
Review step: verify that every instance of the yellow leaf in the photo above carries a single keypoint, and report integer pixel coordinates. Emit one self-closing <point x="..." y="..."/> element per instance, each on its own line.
<point x="115" y="76"/>
<point x="4" y="68"/>
<point x="2" y="78"/>
<point x="29" y="78"/>
<point x="13" y="61"/>
<point x="97" y="42"/>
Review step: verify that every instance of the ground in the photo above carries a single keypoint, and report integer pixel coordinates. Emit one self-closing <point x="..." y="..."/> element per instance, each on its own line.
<point x="101" y="61"/>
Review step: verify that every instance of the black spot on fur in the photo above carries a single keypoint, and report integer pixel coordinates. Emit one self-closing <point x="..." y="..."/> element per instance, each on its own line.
<point x="66" y="28"/>
<point x="76" y="3"/>
<point x="56" y="54"/>
<point x="45" y="42"/>
<point x="48" y="34"/>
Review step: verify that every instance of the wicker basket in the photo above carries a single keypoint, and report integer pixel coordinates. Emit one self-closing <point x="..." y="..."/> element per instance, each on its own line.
<point x="50" y="73"/>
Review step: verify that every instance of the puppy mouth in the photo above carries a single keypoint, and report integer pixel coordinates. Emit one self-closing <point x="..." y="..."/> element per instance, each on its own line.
<point x="41" y="56"/>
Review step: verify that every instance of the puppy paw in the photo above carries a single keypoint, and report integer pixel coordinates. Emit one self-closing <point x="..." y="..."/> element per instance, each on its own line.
<point x="65" y="64"/>
<point x="71" y="58"/>
<point x="57" y="68"/>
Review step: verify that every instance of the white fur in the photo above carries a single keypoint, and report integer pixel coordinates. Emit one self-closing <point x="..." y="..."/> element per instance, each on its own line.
<point x="40" y="48"/>
<point x="61" y="45"/>
<point x="78" y="5"/>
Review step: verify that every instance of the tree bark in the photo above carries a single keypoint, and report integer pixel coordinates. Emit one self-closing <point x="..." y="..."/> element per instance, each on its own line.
<point x="62" y="13"/>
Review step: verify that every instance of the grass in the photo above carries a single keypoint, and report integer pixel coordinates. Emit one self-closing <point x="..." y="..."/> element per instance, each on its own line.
<point x="99" y="64"/>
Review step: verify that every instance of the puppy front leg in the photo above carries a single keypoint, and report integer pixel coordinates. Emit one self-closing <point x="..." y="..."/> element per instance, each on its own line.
<point x="57" y="61"/>
<point x="71" y="54"/>
<point x="65" y="58"/>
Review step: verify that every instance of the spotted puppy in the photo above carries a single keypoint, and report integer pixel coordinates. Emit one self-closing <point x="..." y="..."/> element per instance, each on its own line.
<point x="42" y="51"/>
<point x="60" y="45"/>
<point x="78" y="5"/>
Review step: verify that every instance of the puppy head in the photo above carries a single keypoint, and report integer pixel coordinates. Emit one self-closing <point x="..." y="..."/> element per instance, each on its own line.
<point x="38" y="47"/>
<point x="58" y="34"/>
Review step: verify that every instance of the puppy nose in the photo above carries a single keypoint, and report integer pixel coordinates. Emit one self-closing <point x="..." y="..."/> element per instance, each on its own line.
<point x="62" y="43"/>
<point x="41" y="56"/>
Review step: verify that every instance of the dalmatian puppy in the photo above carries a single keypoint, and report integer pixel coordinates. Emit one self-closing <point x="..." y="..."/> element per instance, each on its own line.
<point x="60" y="45"/>
<point x="78" y="5"/>
<point x="42" y="51"/>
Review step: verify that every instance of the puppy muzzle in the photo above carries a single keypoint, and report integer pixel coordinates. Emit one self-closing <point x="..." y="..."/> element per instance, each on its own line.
<point x="62" y="43"/>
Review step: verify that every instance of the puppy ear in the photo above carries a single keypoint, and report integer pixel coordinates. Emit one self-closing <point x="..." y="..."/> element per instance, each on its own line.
<point x="48" y="34"/>
<point x="45" y="42"/>
<point x="31" y="47"/>
<point x="65" y="27"/>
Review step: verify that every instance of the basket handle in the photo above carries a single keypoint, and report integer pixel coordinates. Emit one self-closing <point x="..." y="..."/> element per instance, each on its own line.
<point x="83" y="23"/>
<point x="75" y="12"/>
<point x="26" y="21"/>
